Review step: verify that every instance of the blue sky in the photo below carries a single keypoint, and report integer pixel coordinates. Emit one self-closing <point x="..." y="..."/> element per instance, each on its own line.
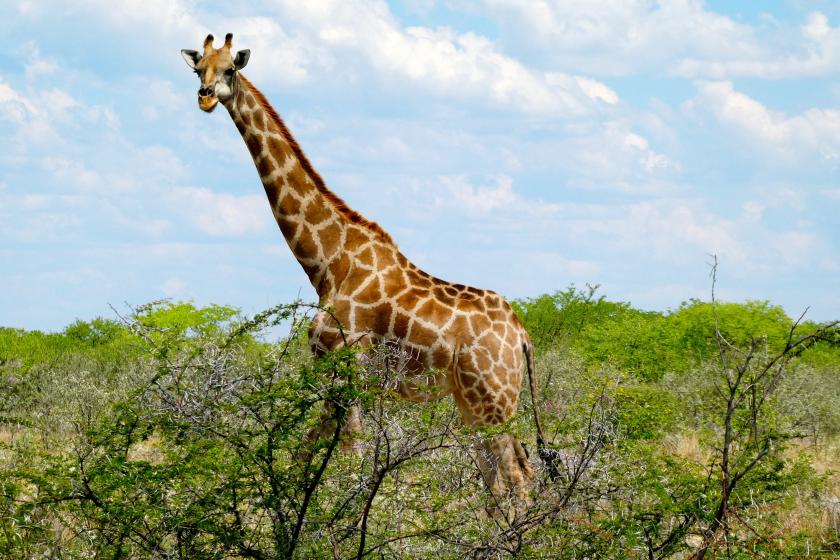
<point x="517" y="145"/>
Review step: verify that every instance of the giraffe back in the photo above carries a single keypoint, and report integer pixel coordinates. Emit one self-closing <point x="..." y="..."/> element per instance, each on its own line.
<point x="462" y="340"/>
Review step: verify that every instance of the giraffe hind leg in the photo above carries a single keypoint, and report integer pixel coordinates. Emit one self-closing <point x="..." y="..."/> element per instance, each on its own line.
<point x="504" y="466"/>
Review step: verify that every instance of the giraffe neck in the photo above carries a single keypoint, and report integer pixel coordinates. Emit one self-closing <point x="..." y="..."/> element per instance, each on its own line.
<point x="313" y="220"/>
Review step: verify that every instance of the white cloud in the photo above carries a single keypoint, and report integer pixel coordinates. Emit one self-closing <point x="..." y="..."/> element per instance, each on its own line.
<point x="618" y="37"/>
<point x="464" y="65"/>
<point x="461" y="193"/>
<point x="14" y="107"/>
<point x="71" y="172"/>
<point x="173" y="286"/>
<point x="675" y="37"/>
<point x="813" y="132"/>
<point x="220" y="214"/>
<point x="348" y="39"/>
<point x="785" y="52"/>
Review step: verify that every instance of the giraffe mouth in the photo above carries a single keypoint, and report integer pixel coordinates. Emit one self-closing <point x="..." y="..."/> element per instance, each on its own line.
<point x="207" y="103"/>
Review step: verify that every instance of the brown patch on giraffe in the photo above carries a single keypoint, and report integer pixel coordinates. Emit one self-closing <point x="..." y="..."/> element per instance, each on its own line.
<point x="254" y="144"/>
<point x="316" y="212"/>
<point x="375" y="319"/>
<point x="482" y="359"/>
<point x="459" y="329"/>
<point x="495" y="315"/>
<point x="272" y="192"/>
<point x="503" y="399"/>
<point x="311" y="270"/>
<point x="401" y="323"/>
<point x="341" y="311"/>
<point x="246" y="118"/>
<point x="409" y="300"/>
<point x="290" y="205"/>
<point x="433" y="312"/>
<point x="479" y="324"/>
<point x="414" y="275"/>
<point x="287" y="225"/>
<point x="259" y="120"/>
<point x="393" y="281"/>
<point x="251" y="101"/>
<point x="442" y="358"/>
<point x="422" y="335"/>
<point x="339" y="268"/>
<point x="356" y="236"/>
<point x="443" y="297"/>
<point x="467" y="379"/>
<point x="330" y="238"/>
<point x="278" y="149"/>
<point x="466" y="362"/>
<point x="355" y="278"/>
<point x="493" y="383"/>
<point x="371" y="292"/>
<point x="469" y="306"/>
<point x="265" y="165"/>
<point x="325" y="286"/>
<point x="337" y="202"/>
<point x="298" y="176"/>
<point x="366" y="257"/>
<point x="451" y="291"/>
<point x="305" y="246"/>
<point x="508" y="356"/>
<point x="384" y="256"/>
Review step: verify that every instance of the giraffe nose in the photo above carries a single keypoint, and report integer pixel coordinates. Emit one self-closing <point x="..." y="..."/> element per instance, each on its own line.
<point x="205" y="92"/>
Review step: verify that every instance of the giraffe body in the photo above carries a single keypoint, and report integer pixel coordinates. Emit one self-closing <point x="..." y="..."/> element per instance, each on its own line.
<point x="463" y="341"/>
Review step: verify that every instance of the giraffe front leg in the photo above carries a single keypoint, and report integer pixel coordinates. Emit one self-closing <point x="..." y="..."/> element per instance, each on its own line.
<point x="325" y="429"/>
<point x="350" y="442"/>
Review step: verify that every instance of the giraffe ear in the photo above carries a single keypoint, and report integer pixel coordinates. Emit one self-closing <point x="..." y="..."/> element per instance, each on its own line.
<point x="242" y="58"/>
<point x="192" y="57"/>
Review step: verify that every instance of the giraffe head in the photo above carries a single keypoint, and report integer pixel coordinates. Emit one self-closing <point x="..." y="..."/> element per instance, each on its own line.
<point x="216" y="69"/>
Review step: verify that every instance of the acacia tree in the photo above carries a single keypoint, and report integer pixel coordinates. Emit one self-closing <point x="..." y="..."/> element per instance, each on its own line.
<point x="748" y="432"/>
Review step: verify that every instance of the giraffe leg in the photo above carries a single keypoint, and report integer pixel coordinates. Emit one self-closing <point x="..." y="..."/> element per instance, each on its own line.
<point x="350" y="442"/>
<point x="326" y="428"/>
<point x="507" y="473"/>
<point x="504" y="467"/>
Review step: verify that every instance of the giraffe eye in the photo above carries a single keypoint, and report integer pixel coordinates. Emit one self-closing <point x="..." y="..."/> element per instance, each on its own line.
<point x="230" y="71"/>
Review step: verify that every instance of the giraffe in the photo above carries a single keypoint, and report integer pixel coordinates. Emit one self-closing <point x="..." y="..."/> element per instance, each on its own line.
<point x="463" y="341"/>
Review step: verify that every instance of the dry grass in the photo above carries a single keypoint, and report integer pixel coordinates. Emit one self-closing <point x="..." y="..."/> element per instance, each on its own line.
<point x="816" y="512"/>
<point x="147" y="450"/>
<point x="687" y="445"/>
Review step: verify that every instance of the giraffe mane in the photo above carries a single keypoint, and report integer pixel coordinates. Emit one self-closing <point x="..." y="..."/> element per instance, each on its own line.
<point x="333" y="198"/>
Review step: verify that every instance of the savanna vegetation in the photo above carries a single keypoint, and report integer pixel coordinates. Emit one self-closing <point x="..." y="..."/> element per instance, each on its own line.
<point x="711" y="430"/>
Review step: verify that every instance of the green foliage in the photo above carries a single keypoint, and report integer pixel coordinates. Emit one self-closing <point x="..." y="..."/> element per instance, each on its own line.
<point x="646" y="412"/>
<point x="182" y="319"/>
<point x="555" y="320"/>
<point x="179" y="432"/>
<point x="649" y="344"/>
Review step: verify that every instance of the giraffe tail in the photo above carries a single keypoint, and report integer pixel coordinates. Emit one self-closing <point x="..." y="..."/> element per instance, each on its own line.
<point x="549" y="456"/>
